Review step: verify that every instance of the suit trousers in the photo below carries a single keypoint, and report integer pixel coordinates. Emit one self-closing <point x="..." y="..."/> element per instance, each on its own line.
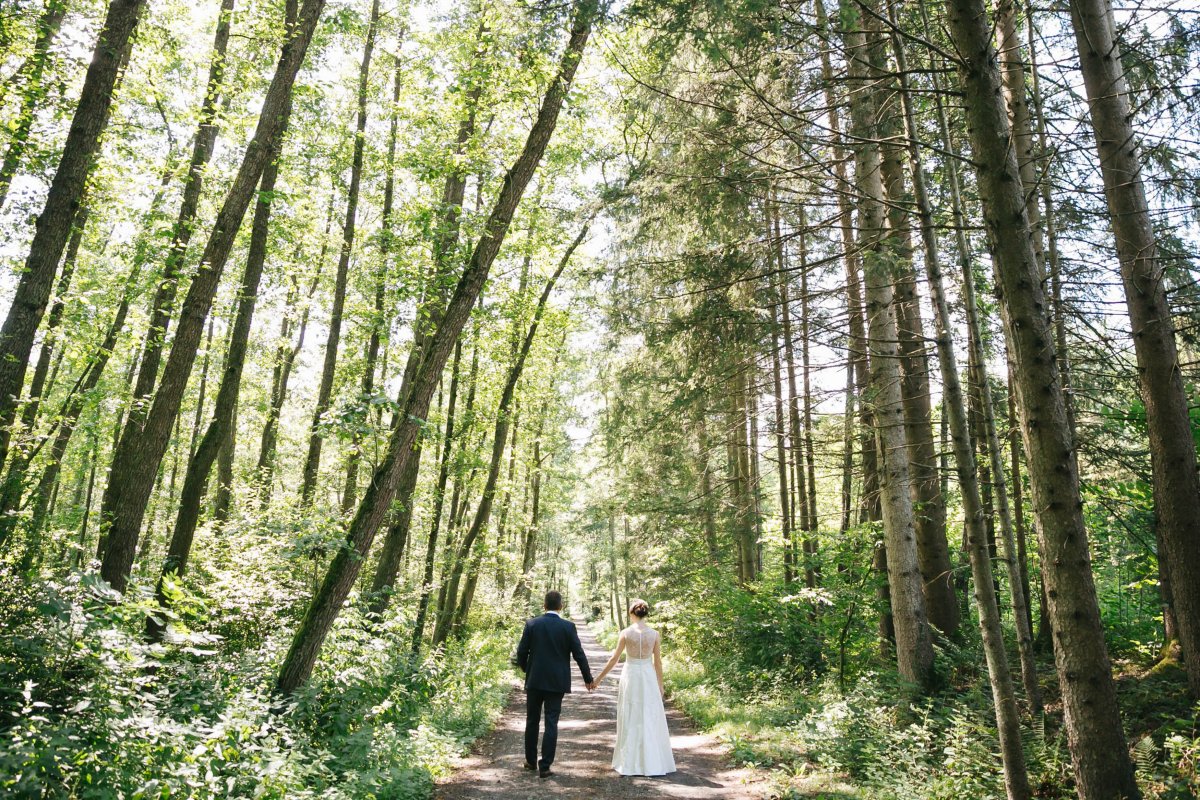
<point x="536" y="702"/>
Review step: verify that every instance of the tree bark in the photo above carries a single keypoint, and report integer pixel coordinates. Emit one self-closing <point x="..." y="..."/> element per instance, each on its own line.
<point x="140" y="451"/>
<point x="343" y="571"/>
<point x="1092" y="718"/>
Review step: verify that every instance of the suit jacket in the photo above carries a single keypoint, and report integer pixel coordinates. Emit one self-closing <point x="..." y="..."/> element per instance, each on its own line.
<point x="544" y="654"/>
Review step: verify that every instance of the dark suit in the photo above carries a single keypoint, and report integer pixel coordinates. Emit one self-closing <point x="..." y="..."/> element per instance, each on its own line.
<point x="544" y="655"/>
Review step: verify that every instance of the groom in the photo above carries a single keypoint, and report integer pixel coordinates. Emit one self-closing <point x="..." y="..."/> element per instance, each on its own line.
<point x="544" y="655"/>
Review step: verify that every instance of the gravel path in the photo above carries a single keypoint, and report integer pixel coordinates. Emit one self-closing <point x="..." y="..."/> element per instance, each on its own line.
<point x="586" y="733"/>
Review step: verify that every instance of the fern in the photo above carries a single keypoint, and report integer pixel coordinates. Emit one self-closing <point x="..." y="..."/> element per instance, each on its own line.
<point x="1146" y="756"/>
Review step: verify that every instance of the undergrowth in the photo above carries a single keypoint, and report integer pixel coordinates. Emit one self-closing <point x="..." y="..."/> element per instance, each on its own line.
<point x="88" y="709"/>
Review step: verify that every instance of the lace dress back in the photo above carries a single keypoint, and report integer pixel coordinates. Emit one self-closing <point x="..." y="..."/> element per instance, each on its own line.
<point x="639" y="643"/>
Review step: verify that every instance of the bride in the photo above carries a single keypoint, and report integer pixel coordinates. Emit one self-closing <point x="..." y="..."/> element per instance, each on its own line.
<point x="643" y="742"/>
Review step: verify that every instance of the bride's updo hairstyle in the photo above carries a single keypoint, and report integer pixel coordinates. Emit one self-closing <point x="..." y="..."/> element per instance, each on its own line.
<point x="639" y="608"/>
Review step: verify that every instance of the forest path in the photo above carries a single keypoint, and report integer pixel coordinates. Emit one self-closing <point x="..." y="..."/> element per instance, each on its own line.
<point x="586" y="734"/>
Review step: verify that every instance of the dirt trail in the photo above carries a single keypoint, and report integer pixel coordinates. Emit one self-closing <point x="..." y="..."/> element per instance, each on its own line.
<point x="582" y="768"/>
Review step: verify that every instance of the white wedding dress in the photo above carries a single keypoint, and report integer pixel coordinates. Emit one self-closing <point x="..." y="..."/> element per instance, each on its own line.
<point x="643" y="741"/>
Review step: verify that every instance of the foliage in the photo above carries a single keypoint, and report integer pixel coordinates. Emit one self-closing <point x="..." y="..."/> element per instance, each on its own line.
<point x="100" y="713"/>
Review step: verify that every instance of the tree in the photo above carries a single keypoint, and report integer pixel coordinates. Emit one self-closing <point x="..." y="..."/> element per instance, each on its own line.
<point x="33" y="74"/>
<point x="1097" y="742"/>
<point x="933" y="555"/>
<point x="1172" y="447"/>
<point x="914" y="645"/>
<point x="141" y="448"/>
<point x="313" y="462"/>
<point x="168" y="284"/>
<point x="343" y="570"/>
<point x="499" y="441"/>
<point x="219" y="432"/>
<point x="54" y="224"/>
<point x="1016" y="777"/>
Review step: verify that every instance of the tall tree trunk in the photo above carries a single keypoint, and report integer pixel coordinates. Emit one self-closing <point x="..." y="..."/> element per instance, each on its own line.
<point x="285" y="359"/>
<point x="708" y="501"/>
<point x="848" y="449"/>
<point x="226" y="455"/>
<point x="739" y="475"/>
<point x="38" y="387"/>
<point x="141" y="448"/>
<point x="1018" y="503"/>
<point x="954" y="410"/>
<point x="933" y="552"/>
<point x="995" y="468"/>
<point x="533" y="528"/>
<point x="502" y="529"/>
<point x="514" y="348"/>
<point x="1048" y="215"/>
<point x="380" y="592"/>
<point x="343" y="570"/>
<point x="32" y="92"/>
<point x="1172" y="446"/>
<point x="312" y="462"/>
<point x="1091" y="715"/>
<point x="54" y="224"/>
<point x="914" y="644"/>
<point x="781" y="452"/>
<point x="797" y="505"/>
<point x="379" y="325"/>
<point x="755" y="475"/>
<point x="812" y="568"/>
<point x="168" y="285"/>
<point x="1012" y="76"/>
<point x="72" y="408"/>
<point x="854" y="301"/>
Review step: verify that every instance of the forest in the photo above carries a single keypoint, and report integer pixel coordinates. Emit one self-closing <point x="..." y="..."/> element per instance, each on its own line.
<point x="859" y="337"/>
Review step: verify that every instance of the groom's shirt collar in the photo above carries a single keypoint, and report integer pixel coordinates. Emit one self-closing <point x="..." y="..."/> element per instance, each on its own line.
<point x="555" y="613"/>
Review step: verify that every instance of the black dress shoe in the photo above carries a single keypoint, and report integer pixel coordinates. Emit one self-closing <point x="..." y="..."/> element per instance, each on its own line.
<point x="528" y="766"/>
<point x="544" y="773"/>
